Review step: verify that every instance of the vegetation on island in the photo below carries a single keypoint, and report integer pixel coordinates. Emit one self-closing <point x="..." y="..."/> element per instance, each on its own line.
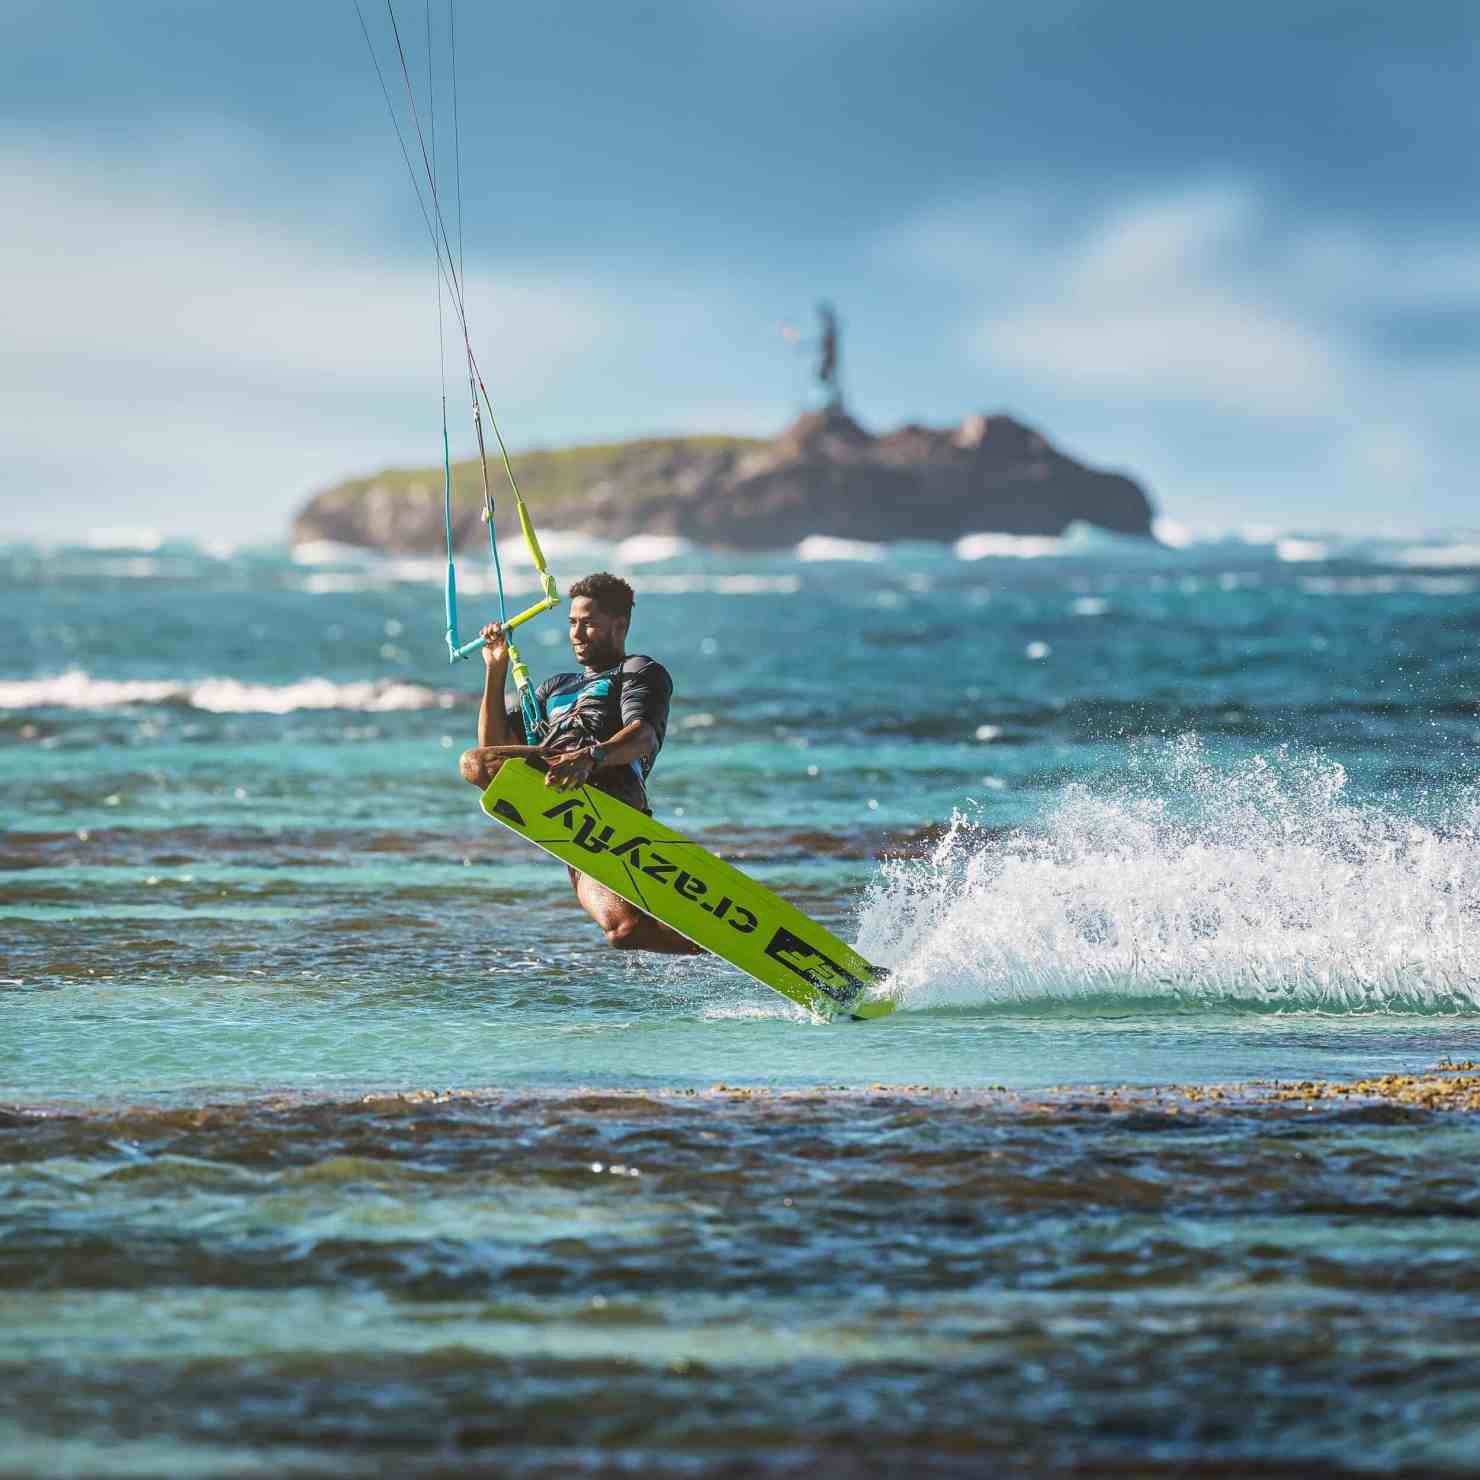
<point x="402" y="507"/>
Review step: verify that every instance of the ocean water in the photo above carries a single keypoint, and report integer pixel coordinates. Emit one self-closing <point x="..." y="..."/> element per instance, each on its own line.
<point x="337" y="1139"/>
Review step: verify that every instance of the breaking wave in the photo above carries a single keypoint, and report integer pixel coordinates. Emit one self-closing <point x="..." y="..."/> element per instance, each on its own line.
<point x="78" y="690"/>
<point x="1257" y="885"/>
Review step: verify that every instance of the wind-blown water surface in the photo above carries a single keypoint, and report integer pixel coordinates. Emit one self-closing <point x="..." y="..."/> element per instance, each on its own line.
<point x="1111" y="814"/>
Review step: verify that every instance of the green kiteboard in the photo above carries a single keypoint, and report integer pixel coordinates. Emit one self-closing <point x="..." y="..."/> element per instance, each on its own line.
<point x="675" y="880"/>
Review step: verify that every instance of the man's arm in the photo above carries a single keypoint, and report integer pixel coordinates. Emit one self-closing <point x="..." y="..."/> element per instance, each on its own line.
<point x="493" y="718"/>
<point x="494" y="730"/>
<point x="633" y="742"/>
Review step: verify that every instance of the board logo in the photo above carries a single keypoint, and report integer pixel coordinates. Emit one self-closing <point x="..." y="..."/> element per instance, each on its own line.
<point x="812" y="966"/>
<point x="642" y="855"/>
<point x="509" y="812"/>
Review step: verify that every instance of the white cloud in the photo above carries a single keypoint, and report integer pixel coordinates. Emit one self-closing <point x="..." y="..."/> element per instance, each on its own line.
<point x="1182" y="311"/>
<point x="126" y="274"/>
<point x="210" y="363"/>
<point x="185" y="347"/>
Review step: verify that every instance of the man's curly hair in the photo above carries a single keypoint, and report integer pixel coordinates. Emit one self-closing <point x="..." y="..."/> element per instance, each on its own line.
<point x="611" y="593"/>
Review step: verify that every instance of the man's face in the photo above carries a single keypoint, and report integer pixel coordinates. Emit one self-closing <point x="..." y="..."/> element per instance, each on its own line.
<point x="596" y="638"/>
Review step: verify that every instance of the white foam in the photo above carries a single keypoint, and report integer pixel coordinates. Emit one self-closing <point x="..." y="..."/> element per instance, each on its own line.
<point x="1007" y="546"/>
<point x="474" y="566"/>
<point x="1172" y="534"/>
<point x="1257" y="884"/>
<point x="143" y="540"/>
<point x="330" y="552"/>
<point x="557" y="543"/>
<point x="828" y="547"/>
<point x="1349" y="585"/>
<point x="720" y="585"/>
<point x="756" y="585"/>
<point x="1299" y="551"/>
<point x="1437" y="556"/>
<point x="1386" y="585"/>
<point x="78" y="690"/>
<point x="559" y="546"/>
<point x="127" y="568"/>
<point x="650" y="549"/>
<point x="1441" y="585"/>
<point x="338" y="583"/>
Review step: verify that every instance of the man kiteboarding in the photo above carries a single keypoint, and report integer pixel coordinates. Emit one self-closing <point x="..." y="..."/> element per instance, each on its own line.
<point x="605" y="728"/>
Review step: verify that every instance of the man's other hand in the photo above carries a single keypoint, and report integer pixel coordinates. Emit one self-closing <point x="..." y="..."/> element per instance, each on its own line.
<point x="569" y="768"/>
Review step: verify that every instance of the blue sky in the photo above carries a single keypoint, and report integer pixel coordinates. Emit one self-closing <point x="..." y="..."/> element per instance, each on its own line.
<point x="1232" y="250"/>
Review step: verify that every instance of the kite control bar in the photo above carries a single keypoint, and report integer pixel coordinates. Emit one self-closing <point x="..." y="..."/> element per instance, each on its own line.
<point x="455" y="650"/>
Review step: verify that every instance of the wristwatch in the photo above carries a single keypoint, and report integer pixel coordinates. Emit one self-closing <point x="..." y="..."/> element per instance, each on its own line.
<point x="598" y="755"/>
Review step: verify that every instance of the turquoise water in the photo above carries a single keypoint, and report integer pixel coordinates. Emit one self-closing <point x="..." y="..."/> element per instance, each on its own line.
<point x="1112" y="815"/>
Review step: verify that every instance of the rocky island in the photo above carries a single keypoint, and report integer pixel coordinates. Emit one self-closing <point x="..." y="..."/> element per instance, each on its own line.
<point x="824" y="475"/>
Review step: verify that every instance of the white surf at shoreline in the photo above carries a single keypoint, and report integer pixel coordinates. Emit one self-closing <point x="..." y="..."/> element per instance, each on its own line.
<point x="76" y="689"/>
<point x="329" y="568"/>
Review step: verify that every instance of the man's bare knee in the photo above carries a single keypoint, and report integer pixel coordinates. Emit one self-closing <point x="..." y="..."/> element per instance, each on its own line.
<point x="474" y="768"/>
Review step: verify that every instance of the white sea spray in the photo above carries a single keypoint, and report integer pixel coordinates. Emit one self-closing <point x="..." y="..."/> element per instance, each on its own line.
<point x="1195" y="882"/>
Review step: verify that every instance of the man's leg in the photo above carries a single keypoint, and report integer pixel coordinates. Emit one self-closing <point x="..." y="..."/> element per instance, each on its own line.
<point x="625" y="926"/>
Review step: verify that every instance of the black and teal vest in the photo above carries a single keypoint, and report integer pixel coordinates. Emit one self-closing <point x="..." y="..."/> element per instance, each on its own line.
<point x="587" y="708"/>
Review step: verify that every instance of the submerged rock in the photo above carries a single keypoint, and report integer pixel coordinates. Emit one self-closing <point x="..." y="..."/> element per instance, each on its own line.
<point x="824" y="475"/>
